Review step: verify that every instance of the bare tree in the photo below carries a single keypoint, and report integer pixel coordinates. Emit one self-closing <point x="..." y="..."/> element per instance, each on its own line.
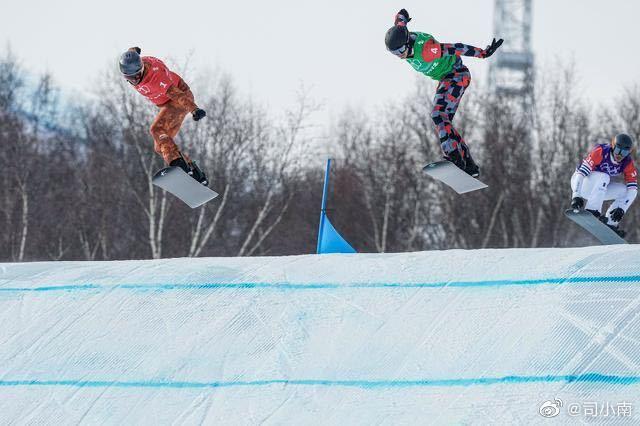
<point x="222" y="145"/>
<point x="277" y="163"/>
<point x="16" y="145"/>
<point x="75" y="181"/>
<point x="131" y="116"/>
<point x="387" y="159"/>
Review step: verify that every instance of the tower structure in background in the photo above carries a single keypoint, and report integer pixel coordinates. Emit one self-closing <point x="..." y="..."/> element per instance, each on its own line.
<point x="512" y="70"/>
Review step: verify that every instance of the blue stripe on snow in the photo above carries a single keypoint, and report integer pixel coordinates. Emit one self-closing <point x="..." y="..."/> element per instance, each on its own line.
<point x="300" y="286"/>
<point x="366" y="384"/>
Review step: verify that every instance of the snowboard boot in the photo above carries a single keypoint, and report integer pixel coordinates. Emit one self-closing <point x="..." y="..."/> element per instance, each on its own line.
<point x="179" y="162"/>
<point x="456" y="158"/>
<point x="471" y="168"/>
<point x="577" y="203"/>
<point x="190" y="168"/>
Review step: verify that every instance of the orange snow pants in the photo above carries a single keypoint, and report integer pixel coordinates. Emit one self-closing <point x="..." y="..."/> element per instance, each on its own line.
<point x="166" y="125"/>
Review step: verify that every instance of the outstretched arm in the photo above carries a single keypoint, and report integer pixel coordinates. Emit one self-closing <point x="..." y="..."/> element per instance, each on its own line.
<point x="461" y="49"/>
<point x="435" y="50"/>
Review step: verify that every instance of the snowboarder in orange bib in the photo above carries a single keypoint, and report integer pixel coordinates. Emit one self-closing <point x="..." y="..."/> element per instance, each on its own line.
<point x="166" y="89"/>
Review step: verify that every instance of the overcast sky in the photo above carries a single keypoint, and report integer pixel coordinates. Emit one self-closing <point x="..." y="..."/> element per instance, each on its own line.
<point x="334" y="47"/>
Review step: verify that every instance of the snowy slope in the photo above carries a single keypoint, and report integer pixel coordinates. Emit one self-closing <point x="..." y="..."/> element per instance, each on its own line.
<point x="433" y="337"/>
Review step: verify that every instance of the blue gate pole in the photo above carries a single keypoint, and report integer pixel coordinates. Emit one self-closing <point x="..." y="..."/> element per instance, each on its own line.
<point x="324" y="204"/>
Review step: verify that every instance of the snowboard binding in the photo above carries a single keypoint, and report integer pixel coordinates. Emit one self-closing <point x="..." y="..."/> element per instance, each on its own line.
<point x="198" y="174"/>
<point x="190" y="168"/>
<point x="597" y="215"/>
<point x="456" y="158"/>
<point x="462" y="159"/>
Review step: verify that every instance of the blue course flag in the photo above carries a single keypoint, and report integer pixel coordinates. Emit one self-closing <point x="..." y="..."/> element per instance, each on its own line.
<point x="329" y="240"/>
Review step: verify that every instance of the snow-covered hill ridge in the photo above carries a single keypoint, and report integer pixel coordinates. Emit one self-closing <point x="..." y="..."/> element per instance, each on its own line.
<point x="382" y="338"/>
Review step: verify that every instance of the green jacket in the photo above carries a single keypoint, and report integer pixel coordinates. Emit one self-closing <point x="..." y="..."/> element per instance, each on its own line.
<point x="435" y="69"/>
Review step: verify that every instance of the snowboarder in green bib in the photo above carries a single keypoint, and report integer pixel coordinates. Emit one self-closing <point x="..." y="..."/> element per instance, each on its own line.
<point x="442" y="62"/>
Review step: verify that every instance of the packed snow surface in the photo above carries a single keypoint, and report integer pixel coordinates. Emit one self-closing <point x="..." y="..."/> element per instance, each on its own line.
<point x="484" y="336"/>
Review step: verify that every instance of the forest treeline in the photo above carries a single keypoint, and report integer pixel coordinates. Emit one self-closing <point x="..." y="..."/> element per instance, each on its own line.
<point x="75" y="181"/>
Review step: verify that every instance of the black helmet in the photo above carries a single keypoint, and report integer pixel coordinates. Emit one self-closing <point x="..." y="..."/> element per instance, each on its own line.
<point x="623" y="141"/>
<point x="622" y="144"/>
<point x="130" y="63"/>
<point x="396" y="37"/>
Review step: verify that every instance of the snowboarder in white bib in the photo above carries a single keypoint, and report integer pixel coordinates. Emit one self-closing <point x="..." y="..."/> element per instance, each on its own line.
<point x="442" y="62"/>
<point x="597" y="179"/>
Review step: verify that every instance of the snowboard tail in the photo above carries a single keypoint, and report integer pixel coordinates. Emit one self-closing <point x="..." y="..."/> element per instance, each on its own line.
<point x="183" y="186"/>
<point x="591" y="224"/>
<point x="449" y="174"/>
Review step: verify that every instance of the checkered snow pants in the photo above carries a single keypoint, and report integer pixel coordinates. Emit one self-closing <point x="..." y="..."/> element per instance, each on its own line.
<point x="445" y="105"/>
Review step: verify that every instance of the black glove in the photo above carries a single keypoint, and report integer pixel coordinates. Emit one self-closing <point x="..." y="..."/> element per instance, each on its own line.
<point x="198" y="114"/>
<point x="491" y="49"/>
<point x="402" y="17"/>
<point x="577" y="203"/>
<point x="616" y="214"/>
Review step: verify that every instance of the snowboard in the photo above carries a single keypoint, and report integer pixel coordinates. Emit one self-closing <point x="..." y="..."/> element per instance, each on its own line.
<point x="183" y="186"/>
<point x="591" y="224"/>
<point x="449" y="174"/>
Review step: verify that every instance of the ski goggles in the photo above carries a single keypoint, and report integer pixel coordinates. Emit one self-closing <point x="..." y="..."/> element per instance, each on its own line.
<point x="135" y="78"/>
<point x="400" y="50"/>
<point x="622" y="152"/>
